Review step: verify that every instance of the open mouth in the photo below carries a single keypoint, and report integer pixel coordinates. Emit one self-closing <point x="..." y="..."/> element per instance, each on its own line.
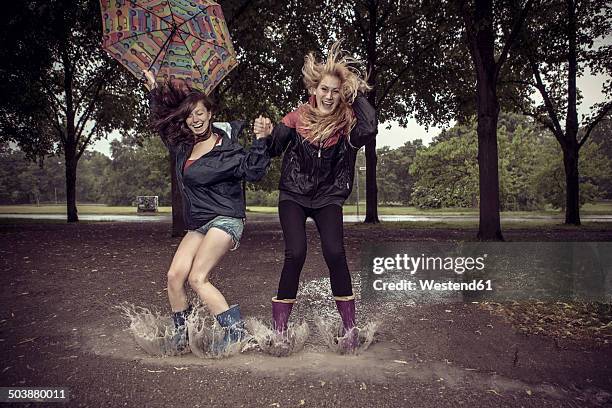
<point x="327" y="104"/>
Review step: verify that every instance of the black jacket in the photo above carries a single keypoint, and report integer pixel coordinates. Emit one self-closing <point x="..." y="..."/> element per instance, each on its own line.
<point x="316" y="176"/>
<point x="211" y="185"/>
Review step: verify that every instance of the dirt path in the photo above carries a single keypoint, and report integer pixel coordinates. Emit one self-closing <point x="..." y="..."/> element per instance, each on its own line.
<point x="59" y="327"/>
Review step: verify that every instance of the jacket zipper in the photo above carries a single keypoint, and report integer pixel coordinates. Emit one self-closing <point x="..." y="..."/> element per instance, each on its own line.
<point x="317" y="171"/>
<point x="179" y="176"/>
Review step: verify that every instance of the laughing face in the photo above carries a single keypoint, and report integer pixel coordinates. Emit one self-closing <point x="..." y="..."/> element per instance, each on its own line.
<point x="198" y="119"/>
<point x="327" y="94"/>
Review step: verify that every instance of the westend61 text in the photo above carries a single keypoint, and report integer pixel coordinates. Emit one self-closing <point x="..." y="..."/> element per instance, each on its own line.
<point x="430" y="284"/>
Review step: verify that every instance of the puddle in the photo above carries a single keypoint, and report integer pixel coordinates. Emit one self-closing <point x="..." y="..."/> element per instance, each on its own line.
<point x="277" y="344"/>
<point x="329" y="331"/>
<point x="155" y="334"/>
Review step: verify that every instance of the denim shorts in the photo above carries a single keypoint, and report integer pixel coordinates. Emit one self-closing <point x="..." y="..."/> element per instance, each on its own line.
<point x="232" y="226"/>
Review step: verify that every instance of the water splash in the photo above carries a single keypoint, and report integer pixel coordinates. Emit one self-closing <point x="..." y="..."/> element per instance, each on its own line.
<point x="154" y="333"/>
<point x="276" y="344"/>
<point x="206" y="336"/>
<point x="330" y="331"/>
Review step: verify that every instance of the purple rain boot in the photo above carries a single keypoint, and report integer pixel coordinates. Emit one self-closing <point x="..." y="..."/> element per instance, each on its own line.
<point x="346" y="307"/>
<point x="281" y="309"/>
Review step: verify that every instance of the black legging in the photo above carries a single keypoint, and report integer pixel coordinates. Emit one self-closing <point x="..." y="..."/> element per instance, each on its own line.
<point x="329" y="223"/>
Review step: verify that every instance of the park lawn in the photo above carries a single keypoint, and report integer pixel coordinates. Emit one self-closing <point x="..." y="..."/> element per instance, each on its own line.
<point x="540" y="225"/>
<point x="603" y="207"/>
<point x="82" y="208"/>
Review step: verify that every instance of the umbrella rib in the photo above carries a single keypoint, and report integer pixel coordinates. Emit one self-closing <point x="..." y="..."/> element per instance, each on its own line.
<point x="162" y="48"/>
<point x="138" y="35"/>
<point x="149" y="11"/>
<point x="195" y="15"/>
<point x="194" y="60"/>
<point x="171" y="13"/>
<point x="161" y="29"/>
<point x="199" y="38"/>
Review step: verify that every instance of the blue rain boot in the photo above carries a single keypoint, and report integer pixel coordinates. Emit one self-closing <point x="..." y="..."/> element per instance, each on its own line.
<point x="233" y="329"/>
<point x="180" y="337"/>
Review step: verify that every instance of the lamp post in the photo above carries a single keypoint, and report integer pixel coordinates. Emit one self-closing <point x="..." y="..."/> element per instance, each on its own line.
<point x="359" y="168"/>
<point x="59" y="163"/>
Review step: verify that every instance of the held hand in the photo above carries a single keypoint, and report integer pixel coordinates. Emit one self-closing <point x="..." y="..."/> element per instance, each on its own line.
<point x="150" y="79"/>
<point x="262" y="127"/>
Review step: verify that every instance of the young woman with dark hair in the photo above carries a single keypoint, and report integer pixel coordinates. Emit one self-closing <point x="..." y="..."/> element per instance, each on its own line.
<point x="210" y="167"/>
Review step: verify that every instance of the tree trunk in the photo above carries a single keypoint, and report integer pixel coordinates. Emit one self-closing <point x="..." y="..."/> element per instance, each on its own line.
<point x="482" y="48"/>
<point x="572" y="194"/>
<point x="71" y="175"/>
<point x="489" y="228"/>
<point x="370" y="149"/>
<point x="571" y="148"/>
<point x="178" y="221"/>
<point x="371" y="186"/>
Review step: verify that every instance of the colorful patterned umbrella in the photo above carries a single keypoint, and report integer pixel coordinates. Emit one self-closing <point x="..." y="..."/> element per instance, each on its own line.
<point x="176" y="39"/>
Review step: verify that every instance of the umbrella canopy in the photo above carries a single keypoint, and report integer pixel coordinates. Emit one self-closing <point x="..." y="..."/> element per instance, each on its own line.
<point x="176" y="39"/>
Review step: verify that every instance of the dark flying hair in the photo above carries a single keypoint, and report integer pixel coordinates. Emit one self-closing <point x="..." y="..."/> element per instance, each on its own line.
<point x="171" y="105"/>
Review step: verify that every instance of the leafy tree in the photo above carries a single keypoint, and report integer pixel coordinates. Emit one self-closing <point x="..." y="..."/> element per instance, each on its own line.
<point x="396" y="181"/>
<point x="399" y="42"/>
<point x="572" y="37"/>
<point x="490" y="35"/>
<point x="93" y="167"/>
<point x="137" y="170"/>
<point x="60" y="90"/>
<point x="550" y="182"/>
<point x="406" y="47"/>
<point x="446" y="173"/>
<point x="520" y="157"/>
<point x="602" y="135"/>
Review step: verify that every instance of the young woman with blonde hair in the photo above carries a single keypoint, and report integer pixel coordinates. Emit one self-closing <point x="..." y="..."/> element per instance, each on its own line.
<point x="320" y="140"/>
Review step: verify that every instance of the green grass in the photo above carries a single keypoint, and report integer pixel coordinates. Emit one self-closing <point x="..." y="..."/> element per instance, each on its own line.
<point x="473" y="225"/>
<point x="599" y="208"/>
<point x="82" y="208"/>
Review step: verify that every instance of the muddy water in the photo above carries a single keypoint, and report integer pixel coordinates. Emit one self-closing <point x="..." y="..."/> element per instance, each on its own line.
<point x="154" y="332"/>
<point x="314" y="324"/>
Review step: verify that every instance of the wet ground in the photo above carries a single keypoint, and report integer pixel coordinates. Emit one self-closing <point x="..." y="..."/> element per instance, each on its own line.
<point x="60" y="326"/>
<point x="257" y="217"/>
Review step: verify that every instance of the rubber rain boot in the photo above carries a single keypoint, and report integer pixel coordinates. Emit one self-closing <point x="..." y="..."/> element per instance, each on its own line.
<point x="281" y="309"/>
<point x="233" y="329"/>
<point x="349" y="342"/>
<point x="180" y="338"/>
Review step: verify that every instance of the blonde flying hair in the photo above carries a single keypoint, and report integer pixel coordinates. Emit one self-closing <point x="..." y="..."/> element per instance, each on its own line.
<point x="353" y="79"/>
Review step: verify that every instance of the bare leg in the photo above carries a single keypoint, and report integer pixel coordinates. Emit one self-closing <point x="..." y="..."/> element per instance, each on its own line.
<point x="215" y="244"/>
<point x="179" y="270"/>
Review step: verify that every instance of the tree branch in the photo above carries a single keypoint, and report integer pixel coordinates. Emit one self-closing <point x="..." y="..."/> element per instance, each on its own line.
<point x="95" y="96"/>
<point x="359" y="22"/>
<point x="53" y="97"/>
<point x="86" y="142"/>
<point x="392" y="83"/>
<point x="602" y="114"/>
<point x="241" y="9"/>
<point x="558" y="132"/>
<point x="516" y="28"/>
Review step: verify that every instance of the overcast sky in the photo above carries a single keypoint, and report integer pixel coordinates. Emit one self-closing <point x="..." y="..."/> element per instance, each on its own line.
<point x="396" y="136"/>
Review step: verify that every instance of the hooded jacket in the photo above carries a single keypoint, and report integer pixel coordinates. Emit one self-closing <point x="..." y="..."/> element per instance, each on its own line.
<point x="315" y="175"/>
